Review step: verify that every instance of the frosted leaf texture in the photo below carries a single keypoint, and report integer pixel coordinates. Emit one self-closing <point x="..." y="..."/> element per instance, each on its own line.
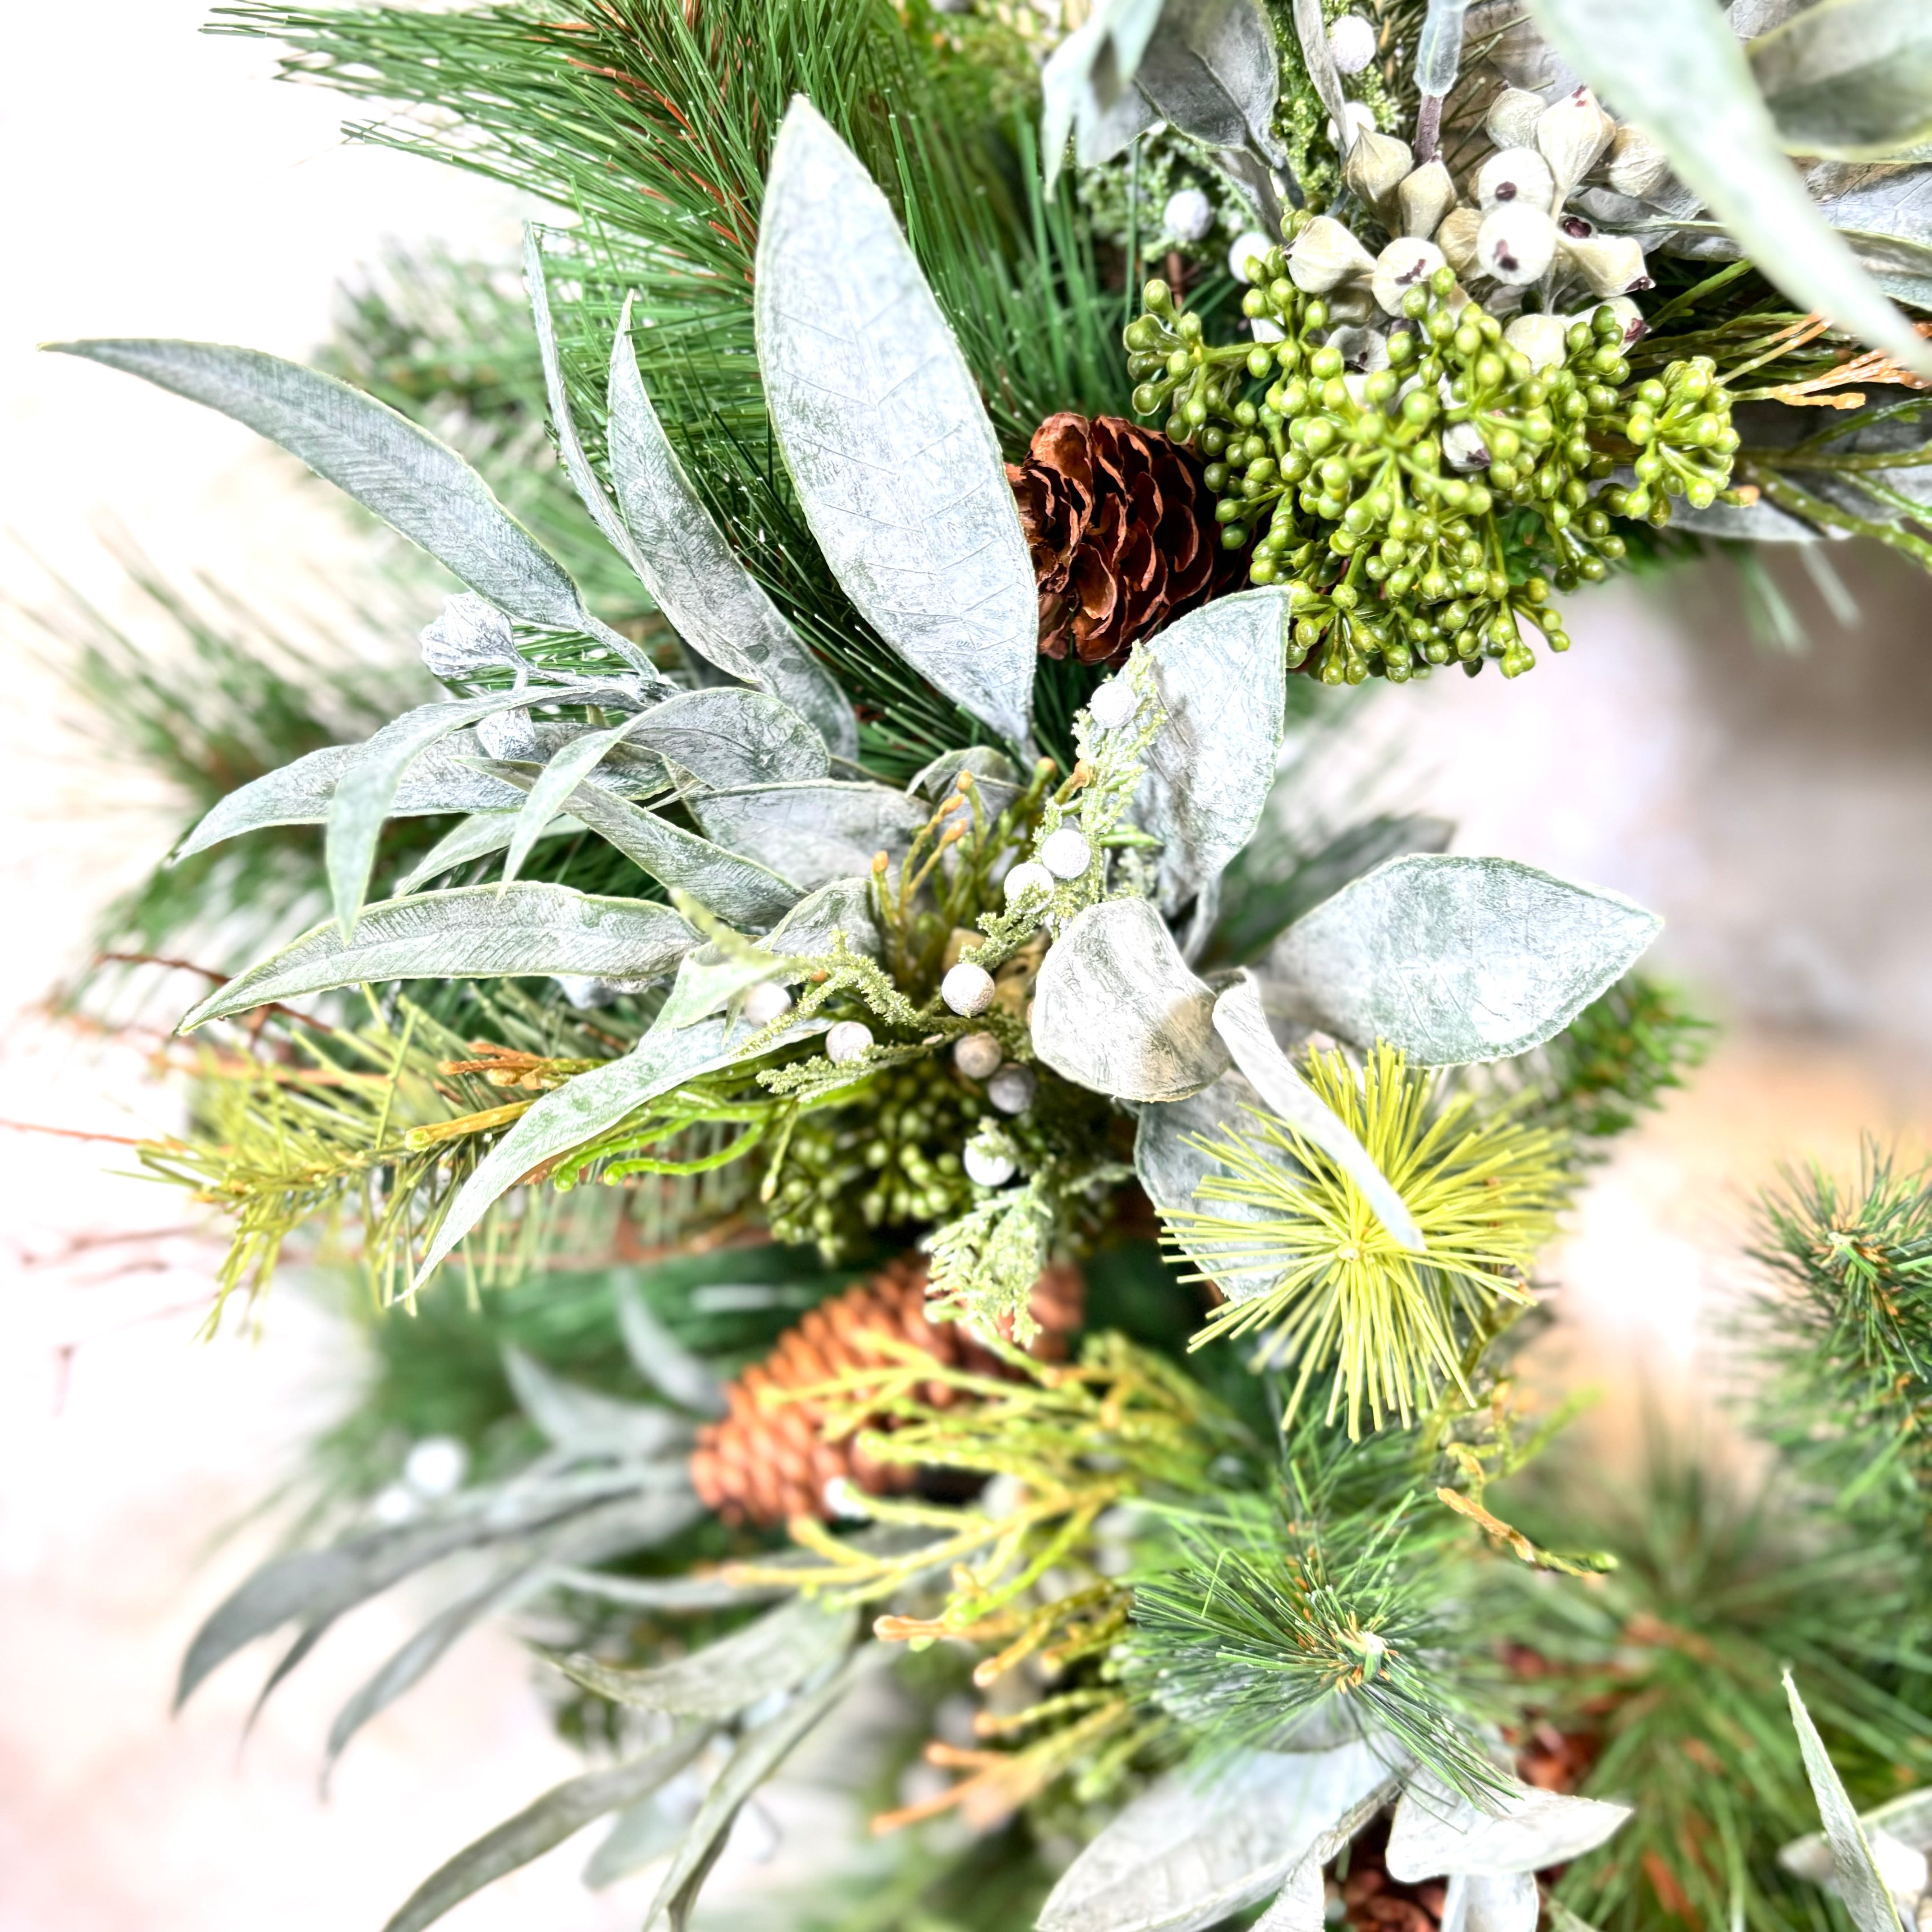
<point x="1436" y="1831"/>
<point x="812" y="832"/>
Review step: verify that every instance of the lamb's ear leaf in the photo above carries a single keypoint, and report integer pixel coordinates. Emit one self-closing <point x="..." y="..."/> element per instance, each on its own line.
<point x="1679" y="73"/>
<point x="896" y="464"/>
<point x="1311" y="34"/>
<point x="1436" y="1831"/>
<point x="1854" y="1871"/>
<point x="1212" y="69"/>
<point x="419" y="486"/>
<point x="1240" y="1021"/>
<point x="1195" y="1848"/>
<point x="1454" y="960"/>
<point x="725" y="737"/>
<point x="1299" y="1905"/>
<point x="583" y="1109"/>
<point x="1848" y="79"/>
<point x="759" y="1754"/>
<point x="471" y="932"/>
<point x="719" y="609"/>
<point x="559" y="1814"/>
<point x="1116" y="1009"/>
<point x="1218" y="673"/>
<point x="813" y="833"/>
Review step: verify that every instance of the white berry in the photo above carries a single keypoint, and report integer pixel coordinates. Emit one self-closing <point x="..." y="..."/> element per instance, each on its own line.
<point x="1113" y="704"/>
<point x="436" y="1466"/>
<point x="1249" y="245"/>
<point x="1011" y="1090"/>
<point x="849" y="1040"/>
<point x="968" y="989"/>
<point x="1065" y="853"/>
<point x="986" y="1166"/>
<point x="1188" y="215"/>
<point x="1027" y="878"/>
<point x="764" y="1003"/>
<point x="977" y="1055"/>
<point x="1352" y="43"/>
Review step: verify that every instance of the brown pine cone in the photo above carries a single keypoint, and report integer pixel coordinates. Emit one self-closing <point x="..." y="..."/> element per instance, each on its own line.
<point x="1122" y="531"/>
<point x="1372" y="1901"/>
<point x="765" y="1463"/>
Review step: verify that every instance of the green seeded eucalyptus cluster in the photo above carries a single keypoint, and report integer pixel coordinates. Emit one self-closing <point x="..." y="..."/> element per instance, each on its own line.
<point x="1423" y="512"/>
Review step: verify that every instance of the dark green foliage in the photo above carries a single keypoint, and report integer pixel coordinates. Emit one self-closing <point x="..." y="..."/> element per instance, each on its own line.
<point x="1619" y="1056"/>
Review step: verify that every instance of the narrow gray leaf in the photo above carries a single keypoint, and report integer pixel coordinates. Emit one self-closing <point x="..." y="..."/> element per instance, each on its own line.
<point x="687" y="563"/>
<point x="1436" y="1831"/>
<point x="736" y="889"/>
<point x="1311" y="33"/>
<point x="1851" y="79"/>
<point x="660" y="1357"/>
<point x="726" y="736"/>
<point x="559" y="1814"/>
<point x="780" y="1650"/>
<point x="1855" y="1873"/>
<point x="844" y="907"/>
<point x="1218" y="673"/>
<point x="1678" y="72"/>
<point x="419" y="486"/>
<point x="996" y="779"/>
<point x="1299" y="1907"/>
<point x="1239" y="1020"/>
<point x="1454" y="960"/>
<point x="476" y="837"/>
<point x="584" y="1421"/>
<point x="1116" y="1009"/>
<point x="1087" y="80"/>
<point x="471" y="932"/>
<point x="710" y="1592"/>
<point x="585" y="1107"/>
<point x="1192" y="1850"/>
<point x="1212" y="70"/>
<point x="814" y="832"/>
<point x="896" y="465"/>
<point x="760" y="1752"/>
<point x="637" y="1837"/>
<point x="554" y="788"/>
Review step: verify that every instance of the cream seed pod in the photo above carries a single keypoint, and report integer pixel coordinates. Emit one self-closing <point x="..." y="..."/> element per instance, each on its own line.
<point x="1544" y="339"/>
<point x="1636" y="165"/>
<point x="1027" y="877"/>
<point x="1572" y="137"/>
<point x="1351" y="43"/>
<point x="1463" y="447"/>
<point x="1405" y="264"/>
<point x="764" y="1003"/>
<point x="1065" y="853"/>
<point x="968" y="989"/>
<point x="1377" y="166"/>
<point x="1512" y="174"/>
<point x="1512" y="119"/>
<point x="848" y="1041"/>
<point x="977" y="1055"/>
<point x="1426" y="194"/>
<point x="1011" y="1089"/>
<point x="1516" y="243"/>
<point x="1456" y="239"/>
<point x="1611" y="265"/>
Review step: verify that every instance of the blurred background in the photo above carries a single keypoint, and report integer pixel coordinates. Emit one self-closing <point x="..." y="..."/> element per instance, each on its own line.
<point x="1757" y="768"/>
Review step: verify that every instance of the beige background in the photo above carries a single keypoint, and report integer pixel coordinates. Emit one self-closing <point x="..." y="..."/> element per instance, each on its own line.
<point x="1777" y="809"/>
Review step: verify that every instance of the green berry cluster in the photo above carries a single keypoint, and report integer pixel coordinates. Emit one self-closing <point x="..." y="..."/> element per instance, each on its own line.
<point x="1347" y="485"/>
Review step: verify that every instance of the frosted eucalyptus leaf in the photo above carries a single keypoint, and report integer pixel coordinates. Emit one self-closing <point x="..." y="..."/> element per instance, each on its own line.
<point x="559" y="1814"/>
<point x="419" y="486"/>
<point x="661" y="1358"/>
<point x="468" y="635"/>
<point x="584" y="1421"/>
<point x="1311" y="32"/>
<point x="1436" y="1831"/>
<point x="1212" y="71"/>
<point x="585" y="1107"/>
<point x="1851" y="79"/>
<point x="1240" y="1021"/>
<point x="554" y="788"/>
<point x="759" y="1754"/>
<point x="686" y="562"/>
<point x="1116" y="1009"/>
<point x="735" y="889"/>
<point x="997" y="780"/>
<point x="1438" y="47"/>
<point x="1678" y="72"/>
<point x="474" y="932"/>
<point x="843" y="907"/>
<point x="782" y="1648"/>
<point x="726" y="736"/>
<point x="1509" y="1903"/>
<point x="1218" y="673"/>
<point x="1454" y="960"/>
<point x="813" y="833"/>
<point x="1192" y="1849"/>
<point x="476" y="837"/>
<point x="1905" y="1821"/>
<point x="1087" y="81"/>
<point x="896" y="464"/>
<point x="637" y="1837"/>
<point x="1299" y="1907"/>
<point x="1855" y="1873"/>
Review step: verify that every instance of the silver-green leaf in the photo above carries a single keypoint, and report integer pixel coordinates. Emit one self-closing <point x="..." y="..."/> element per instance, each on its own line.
<point x="586" y="1423"/>
<point x="1855" y="1873"/>
<point x="1211" y="69"/>
<point x="1436" y="1831"/>
<point x="813" y="833"/>
<point x="896" y="464"/>
<point x="1678" y="72"/>
<point x="1850" y="79"/>
<point x="471" y="932"/>
<point x="1455" y="960"/>
<point x="1116" y="1009"/>
<point x="658" y="1355"/>
<point x="476" y="837"/>
<point x="726" y="736"/>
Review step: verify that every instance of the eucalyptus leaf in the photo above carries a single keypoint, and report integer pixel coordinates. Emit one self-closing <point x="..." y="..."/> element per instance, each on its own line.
<point x="1454" y="960"/>
<point x="997" y="780"/>
<point x="687" y="564"/>
<point x="777" y="1652"/>
<point x="1678" y="72"/>
<point x="1116" y="1009"/>
<point x="726" y="736"/>
<point x="1436" y="1831"/>
<point x="1311" y="34"/>
<point x="1240" y="1021"/>
<point x="843" y="908"/>
<point x="1218" y="673"/>
<point x="710" y="1591"/>
<point x="559" y="1814"/>
<point x="419" y="486"/>
<point x="477" y="837"/>
<point x="1193" y="1849"/>
<point x="585" y="1107"/>
<point x="638" y="1837"/>
<point x="1438" y="47"/>
<point x="1212" y="71"/>
<point x="1855" y="1873"/>
<point x="759" y="1754"/>
<point x="471" y="932"/>
<point x="813" y="833"/>
<point x="1087" y="81"/>
<point x="895" y="461"/>
<point x="660" y="1357"/>
<point x="553" y="787"/>
<point x="584" y="1422"/>
<point x="1301" y="1905"/>
<point x="1851" y="79"/>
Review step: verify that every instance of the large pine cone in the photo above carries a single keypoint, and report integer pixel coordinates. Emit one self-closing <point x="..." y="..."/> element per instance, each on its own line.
<point x="1122" y="531"/>
<point x="764" y="1464"/>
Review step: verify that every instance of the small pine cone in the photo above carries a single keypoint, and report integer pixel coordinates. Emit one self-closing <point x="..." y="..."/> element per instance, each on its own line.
<point x="1372" y="1901"/>
<point x="764" y="1463"/>
<point x="1122" y="531"/>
